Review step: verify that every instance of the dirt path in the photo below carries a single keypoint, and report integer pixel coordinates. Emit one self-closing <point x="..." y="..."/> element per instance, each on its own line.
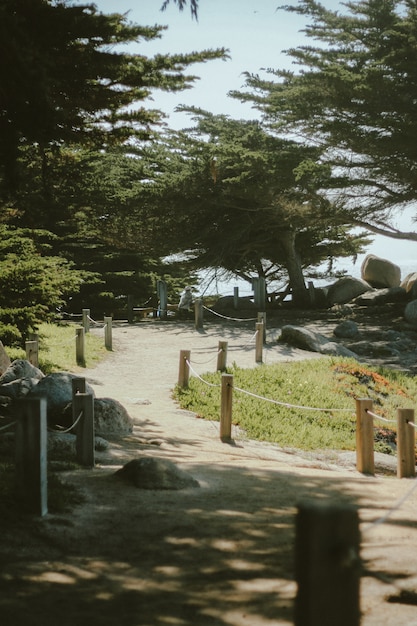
<point x="219" y="555"/>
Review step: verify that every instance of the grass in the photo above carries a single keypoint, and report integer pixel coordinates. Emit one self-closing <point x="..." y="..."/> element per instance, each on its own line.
<point x="325" y="383"/>
<point x="57" y="348"/>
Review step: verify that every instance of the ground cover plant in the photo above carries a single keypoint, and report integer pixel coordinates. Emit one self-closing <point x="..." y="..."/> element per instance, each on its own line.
<point x="295" y="392"/>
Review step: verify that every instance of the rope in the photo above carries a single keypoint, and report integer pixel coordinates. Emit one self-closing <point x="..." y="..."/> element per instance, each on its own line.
<point x="412" y="424"/>
<point x="8" y="426"/>
<point x="378" y="417"/>
<point x="90" y="319"/>
<point x="67" y="430"/>
<point x="232" y="319"/>
<point x="209" y="360"/>
<point x="253" y="337"/>
<point x="199" y="377"/>
<point x="286" y="404"/>
<point x="396" y="506"/>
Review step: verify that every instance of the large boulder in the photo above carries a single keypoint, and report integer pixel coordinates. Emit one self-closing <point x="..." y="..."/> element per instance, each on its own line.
<point x="57" y="389"/>
<point x="380" y="273"/>
<point x="20" y="368"/>
<point x="305" y="339"/>
<point x="410" y="285"/>
<point x="346" y="289"/>
<point x="381" y="296"/>
<point x="151" y="473"/>
<point x="410" y="312"/>
<point x="110" y="417"/>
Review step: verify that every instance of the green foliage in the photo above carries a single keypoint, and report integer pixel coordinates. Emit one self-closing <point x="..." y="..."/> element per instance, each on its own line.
<point x="324" y="383"/>
<point x="353" y="93"/>
<point x="32" y="284"/>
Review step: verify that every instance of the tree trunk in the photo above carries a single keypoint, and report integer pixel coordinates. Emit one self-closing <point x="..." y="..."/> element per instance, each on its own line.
<point x="295" y="272"/>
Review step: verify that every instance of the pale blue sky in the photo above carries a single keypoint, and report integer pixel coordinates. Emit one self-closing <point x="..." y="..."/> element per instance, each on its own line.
<point x="256" y="32"/>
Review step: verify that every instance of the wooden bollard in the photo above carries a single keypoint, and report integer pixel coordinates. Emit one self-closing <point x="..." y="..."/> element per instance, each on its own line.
<point x="222" y="356"/>
<point x="80" y="346"/>
<point x="262" y="318"/>
<point x="86" y="320"/>
<point x="184" y="368"/>
<point x="406" y="441"/>
<point x="226" y="407"/>
<point x="327" y="566"/>
<point x="31" y="454"/>
<point x="364" y="437"/>
<point x="130" y="314"/>
<point x="235" y="298"/>
<point x="32" y="352"/>
<point x="78" y="386"/>
<point x="108" y="333"/>
<point x="83" y="405"/>
<point x="259" y="342"/>
<point x="198" y="313"/>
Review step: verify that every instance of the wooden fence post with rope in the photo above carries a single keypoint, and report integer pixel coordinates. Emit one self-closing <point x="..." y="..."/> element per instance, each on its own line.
<point x="222" y="356"/>
<point x="364" y="437"/>
<point x="32" y="352"/>
<point x="80" y="346"/>
<point x="184" y="369"/>
<point x="31" y="454"/>
<point x="86" y="320"/>
<point x="259" y="342"/>
<point x="226" y="407"/>
<point x="108" y="333"/>
<point x="406" y="441"/>
<point x="198" y="312"/>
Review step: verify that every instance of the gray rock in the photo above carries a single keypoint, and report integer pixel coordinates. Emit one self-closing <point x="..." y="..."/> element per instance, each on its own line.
<point x="20" y="368"/>
<point x="381" y="296"/>
<point x="380" y="273"/>
<point x="346" y="289"/>
<point x="410" y="312"/>
<point x="150" y="473"/>
<point x="18" y="388"/>
<point x="57" y="389"/>
<point x="226" y="303"/>
<point x="110" y="417"/>
<point x="347" y="329"/>
<point x="314" y="342"/>
<point x="65" y="443"/>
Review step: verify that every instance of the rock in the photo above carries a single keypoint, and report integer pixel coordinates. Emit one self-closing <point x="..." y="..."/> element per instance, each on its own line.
<point x="410" y="312"/>
<point x="410" y="285"/>
<point x="347" y="329"/>
<point x="381" y="296"/>
<point x="18" y="388"/>
<point x="346" y="289"/>
<point x="20" y="368"/>
<point x="110" y="417"/>
<point x="150" y="473"/>
<point x="65" y="443"/>
<point x="380" y="273"/>
<point x="57" y="389"/>
<point x="314" y="342"/>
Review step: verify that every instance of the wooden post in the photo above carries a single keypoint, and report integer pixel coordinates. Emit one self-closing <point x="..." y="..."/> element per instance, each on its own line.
<point x="235" y="298"/>
<point x="259" y="342"/>
<point x="108" y="334"/>
<point x="32" y="352"/>
<point x="262" y="318"/>
<point x="222" y="356"/>
<point x="78" y="385"/>
<point x="86" y="320"/>
<point x="226" y="407"/>
<point x="364" y="437"/>
<point x="327" y="566"/>
<point x="130" y="316"/>
<point x="198" y="312"/>
<point x="162" y="292"/>
<point x="80" y="346"/>
<point x="31" y="454"/>
<point x="184" y="369"/>
<point x="83" y="404"/>
<point x="406" y="441"/>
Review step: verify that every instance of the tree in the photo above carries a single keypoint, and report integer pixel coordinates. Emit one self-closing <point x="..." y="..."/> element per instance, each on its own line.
<point x="65" y="82"/>
<point x="354" y="95"/>
<point x="236" y="197"/>
<point x="33" y="283"/>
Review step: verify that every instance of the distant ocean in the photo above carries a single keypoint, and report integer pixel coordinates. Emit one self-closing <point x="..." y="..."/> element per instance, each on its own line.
<point x="211" y="284"/>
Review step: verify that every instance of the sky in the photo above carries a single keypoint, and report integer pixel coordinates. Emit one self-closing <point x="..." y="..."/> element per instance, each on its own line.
<point x="256" y="33"/>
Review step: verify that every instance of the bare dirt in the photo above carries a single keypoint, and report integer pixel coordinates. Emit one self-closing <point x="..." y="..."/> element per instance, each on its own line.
<point x="218" y="555"/>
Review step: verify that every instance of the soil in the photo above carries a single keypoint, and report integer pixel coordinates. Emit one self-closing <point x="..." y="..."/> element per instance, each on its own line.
<point x="218" y="555"/>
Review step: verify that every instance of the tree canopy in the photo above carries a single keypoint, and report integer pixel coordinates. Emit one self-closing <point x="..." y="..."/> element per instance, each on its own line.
<point x="354" y="94"/>
<point x="238" y="198"/>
